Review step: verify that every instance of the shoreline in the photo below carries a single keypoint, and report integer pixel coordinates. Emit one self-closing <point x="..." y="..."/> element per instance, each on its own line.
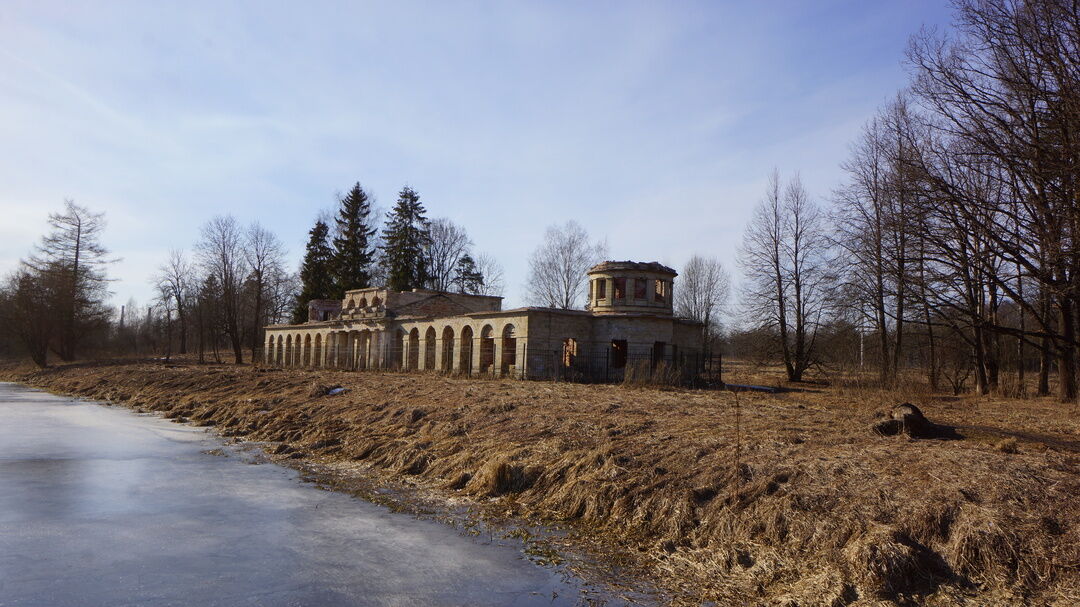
<point x="819" y="511"/>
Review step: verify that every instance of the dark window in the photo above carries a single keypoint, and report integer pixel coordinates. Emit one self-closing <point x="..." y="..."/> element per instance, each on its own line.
<point x="639" y="288"/>
<point x="620" y="288"/>
<point x="618" y="353"/>
<point x="658" y="351"/>
<point x="601" y="289"/>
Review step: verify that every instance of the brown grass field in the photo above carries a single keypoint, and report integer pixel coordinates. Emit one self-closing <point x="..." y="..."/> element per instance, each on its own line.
<point x="771" y="499"/>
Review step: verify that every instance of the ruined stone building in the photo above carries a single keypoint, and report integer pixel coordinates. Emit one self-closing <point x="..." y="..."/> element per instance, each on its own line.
<point x="628" y="323"/>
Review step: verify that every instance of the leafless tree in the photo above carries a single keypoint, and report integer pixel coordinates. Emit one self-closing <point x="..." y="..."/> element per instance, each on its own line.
<point x="1003" y="102"/>
<point x="447" y="245"/>
<point x="783" y="260"/>
<point x="176" y="281"/>
<point x="557" y="267"/>
<point x="72" y="260"/>
<point x="26" y="310"/>
<point x="704" y="287"/>
<point x="492" y="271"/>
<point x="221" y="254"/>
<point x="873" y="228"/>
<point x="264" y="257"/>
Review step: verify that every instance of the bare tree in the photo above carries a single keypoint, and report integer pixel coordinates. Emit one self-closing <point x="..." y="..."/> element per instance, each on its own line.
<point x="264" y="256"/>
<point x="873" y="228"/>
<point x="72" y="259"/>
<point x="782" y="258"/>
<point x="1001" y="100"/>
<point x="221" y="254"/>
<point x="176" y="281"/>
<point x="557" y="268"/>
<point x="703" y="292"/>
<point x="492" y="272"/>
<point x="447" y="244"/>
<point x="26" y="309"/>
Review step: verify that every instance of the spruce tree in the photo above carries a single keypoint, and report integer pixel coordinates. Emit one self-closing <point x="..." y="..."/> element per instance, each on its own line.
<point x="404" y="240"/>
<point x="316" y="281"/>
<point x="467" y="277"/>
<point x="352" y="254"/>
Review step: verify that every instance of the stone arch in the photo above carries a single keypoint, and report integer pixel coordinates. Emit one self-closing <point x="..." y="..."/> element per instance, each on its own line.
<point x="487" y="348"/>
<point x="317" y="353"/>
<point x="348" y="349"/>
<point x="400" y="346"/>
<point x="279" y="351"/>
<point x="307" y="351"/>
<point x="430" y="345"/>
<point x="413" y="361"/>
<point x="287" y="355"/>
<point x="447" y="348"/>
<point x="466" y="347"/>
<point x="375" y="301"/>
<point x="509" y="348"/>
<point x="363" y="302"/>
<point x="363" y="349"/>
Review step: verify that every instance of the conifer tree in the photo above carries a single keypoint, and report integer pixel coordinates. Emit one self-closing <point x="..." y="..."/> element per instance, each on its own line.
<point x="467" y="277"/>
<point x="404" y="240"/>
<point x="352" y="255"/>
<point x="316" y="280"/>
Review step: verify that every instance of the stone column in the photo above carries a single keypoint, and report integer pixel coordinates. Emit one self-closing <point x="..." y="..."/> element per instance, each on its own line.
<point x="497" y="355"/>
<point x="440" y="353"/>
<point x="421" y="356"/>
<point x="477" y="347"/>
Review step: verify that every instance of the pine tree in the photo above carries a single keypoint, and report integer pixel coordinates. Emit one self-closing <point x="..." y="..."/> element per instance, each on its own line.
<point x="404" y="240"/>
<point x="316" y="281"/>
<point x="352" y="255"/>
<point x="467" y="277"/>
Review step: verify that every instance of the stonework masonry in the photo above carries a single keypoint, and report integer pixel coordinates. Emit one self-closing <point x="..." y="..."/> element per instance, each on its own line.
<point x="629" y="321"/>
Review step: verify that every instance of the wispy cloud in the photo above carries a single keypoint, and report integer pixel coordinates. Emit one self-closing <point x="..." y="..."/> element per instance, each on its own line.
<point x="654" y="125"/>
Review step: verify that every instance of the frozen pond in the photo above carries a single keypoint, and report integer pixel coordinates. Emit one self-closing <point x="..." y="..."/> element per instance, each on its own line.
<point x="100" y="506"/>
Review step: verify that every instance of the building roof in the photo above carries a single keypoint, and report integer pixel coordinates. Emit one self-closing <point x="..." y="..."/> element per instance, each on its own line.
<point x="636" y="266"/>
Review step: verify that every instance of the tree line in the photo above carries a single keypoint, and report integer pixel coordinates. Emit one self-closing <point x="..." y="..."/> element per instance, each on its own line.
<point x="952" y="242"/>
<point x="411" y="251"/>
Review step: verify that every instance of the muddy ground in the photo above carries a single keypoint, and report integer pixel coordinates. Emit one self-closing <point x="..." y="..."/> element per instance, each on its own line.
<point x="770" y="499"/>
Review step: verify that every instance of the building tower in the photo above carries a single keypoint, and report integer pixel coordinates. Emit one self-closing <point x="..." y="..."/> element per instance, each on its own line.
<point x="630" y="287"/>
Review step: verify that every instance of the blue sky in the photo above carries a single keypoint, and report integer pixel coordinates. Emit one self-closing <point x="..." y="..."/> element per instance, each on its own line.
<point x="654" y="124"/>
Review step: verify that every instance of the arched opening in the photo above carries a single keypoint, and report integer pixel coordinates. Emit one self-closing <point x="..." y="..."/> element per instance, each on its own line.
<point x="307" y="350"/>
<point x="399" y="348"/>
<point x="316" y="355"/>
<point x="363" y="349"/>
<point x="429" y="348"/>
<point x="375" y="301"/>
<point x="279" y="351"/>
<point x="509" y="349"/>
<point x="287" y="360"/>
<point x="347" y="350"/>
<point x="414" y="350"/>
<point x="448" y="349"/>
<point x="466" y="350"/>
<point x="363" y="302"/>
<point x="487" y="349"/>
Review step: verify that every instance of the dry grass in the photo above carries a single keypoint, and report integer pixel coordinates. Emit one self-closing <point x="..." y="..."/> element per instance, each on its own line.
<point x="816" y="510"/>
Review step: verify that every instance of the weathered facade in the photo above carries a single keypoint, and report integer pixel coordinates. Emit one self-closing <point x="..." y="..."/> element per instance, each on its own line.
<point x="628" y="323"/>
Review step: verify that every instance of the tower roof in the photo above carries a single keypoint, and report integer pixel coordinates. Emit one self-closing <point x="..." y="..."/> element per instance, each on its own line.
<point x="633" y="266"/>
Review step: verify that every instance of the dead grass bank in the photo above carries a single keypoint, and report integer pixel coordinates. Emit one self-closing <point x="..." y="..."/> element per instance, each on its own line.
<point x="802" y="505"/>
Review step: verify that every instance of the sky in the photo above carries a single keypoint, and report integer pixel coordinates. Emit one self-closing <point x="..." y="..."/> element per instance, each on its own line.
<point x="653" y="124"/>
